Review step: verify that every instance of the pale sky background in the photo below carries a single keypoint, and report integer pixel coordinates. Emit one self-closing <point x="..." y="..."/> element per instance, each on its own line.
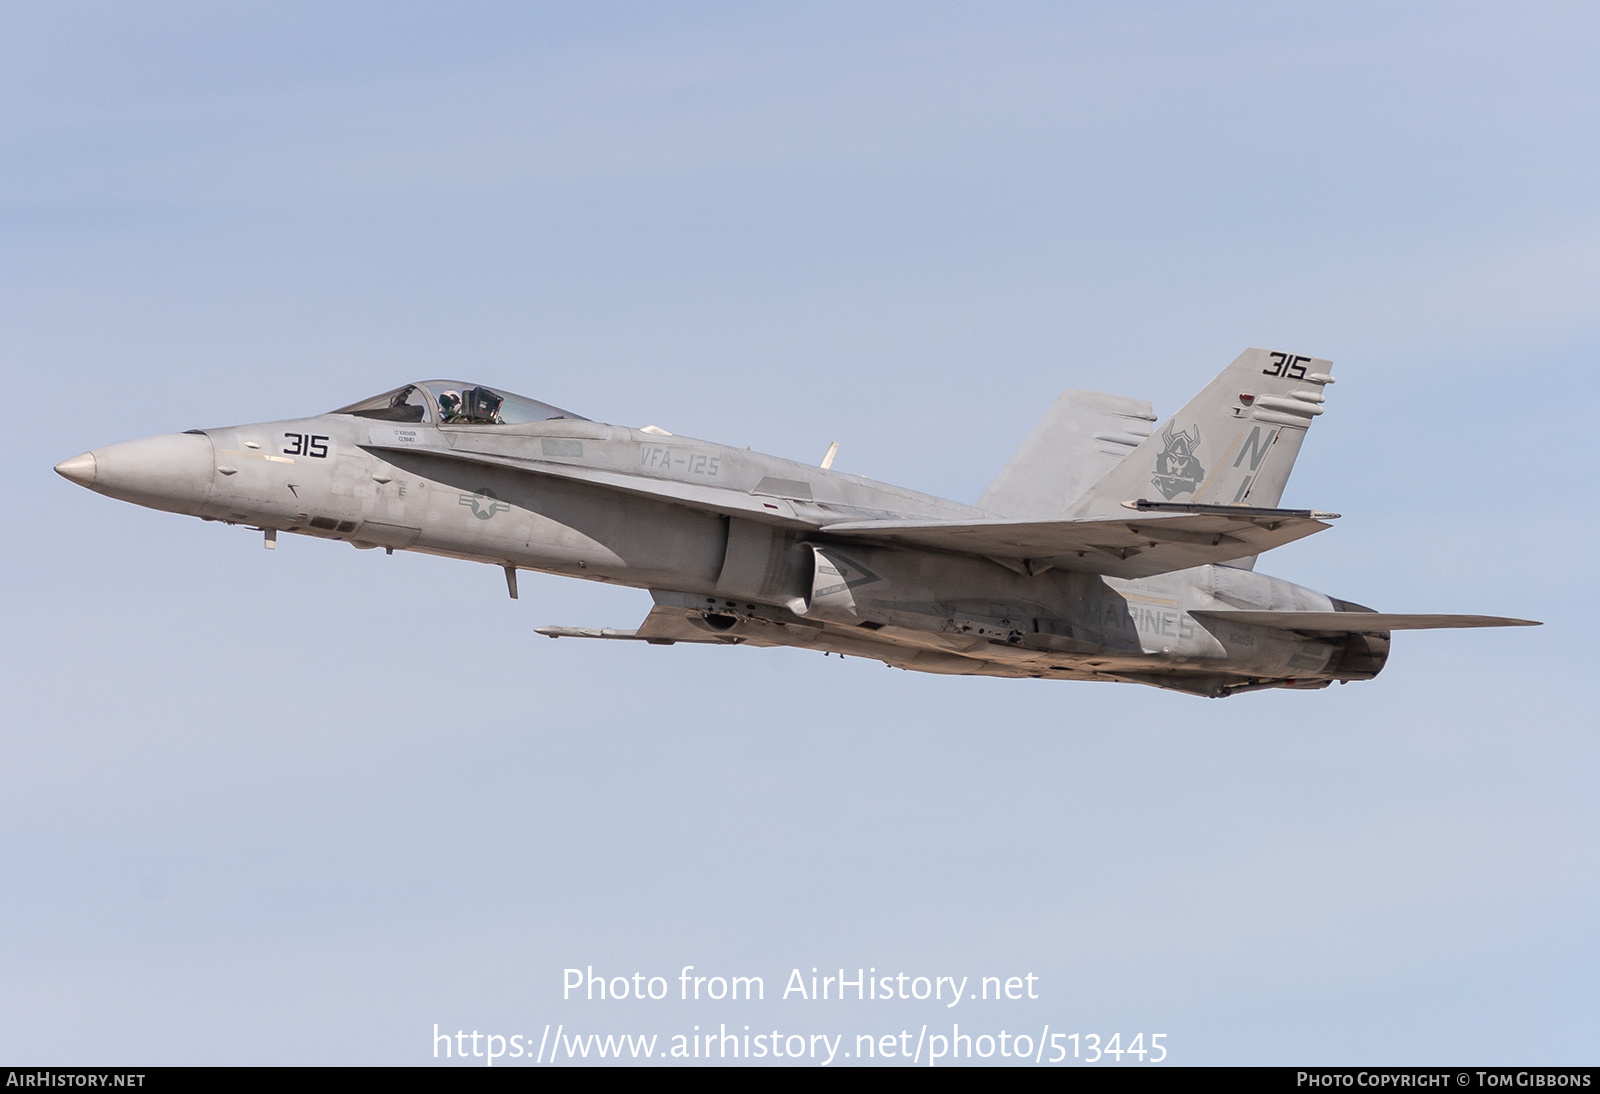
<point x="297" y="807"/>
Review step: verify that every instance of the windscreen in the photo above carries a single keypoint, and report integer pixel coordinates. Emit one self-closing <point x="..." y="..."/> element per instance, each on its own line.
<point x="405" y="404"/>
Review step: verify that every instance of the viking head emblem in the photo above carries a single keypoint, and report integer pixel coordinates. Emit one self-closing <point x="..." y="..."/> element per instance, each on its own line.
<point x="1177" y="470"/>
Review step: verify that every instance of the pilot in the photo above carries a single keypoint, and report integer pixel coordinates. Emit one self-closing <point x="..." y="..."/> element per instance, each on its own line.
<point x="449" y="405"/>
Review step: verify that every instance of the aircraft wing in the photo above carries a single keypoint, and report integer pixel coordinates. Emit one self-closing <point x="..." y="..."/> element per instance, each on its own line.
<point x="1164" y="538"/>
<point x="670" y="622"/>
<point x="1356" y="622"/>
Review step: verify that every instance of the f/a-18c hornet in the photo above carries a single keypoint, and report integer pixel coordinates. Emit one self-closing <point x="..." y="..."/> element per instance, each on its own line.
<point x="1107" y="549"/>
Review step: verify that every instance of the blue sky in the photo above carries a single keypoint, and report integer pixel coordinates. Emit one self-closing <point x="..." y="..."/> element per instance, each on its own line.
<point x="298" y="807"/>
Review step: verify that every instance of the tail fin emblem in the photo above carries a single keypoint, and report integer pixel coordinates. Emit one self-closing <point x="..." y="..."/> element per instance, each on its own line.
<point x="1177" y="470"/>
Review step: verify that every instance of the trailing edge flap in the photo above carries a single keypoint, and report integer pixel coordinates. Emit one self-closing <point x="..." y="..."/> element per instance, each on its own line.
<point x="1118" y="547"/>
<point x="1356" y="622"/>
<point x="715" y="499"/>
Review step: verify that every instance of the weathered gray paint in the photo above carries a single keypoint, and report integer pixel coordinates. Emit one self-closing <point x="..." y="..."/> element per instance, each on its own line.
<point x="738" y="547"/>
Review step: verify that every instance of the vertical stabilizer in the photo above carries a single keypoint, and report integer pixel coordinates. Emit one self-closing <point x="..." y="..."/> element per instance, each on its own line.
<point x="1233" y="444"/>
<point x="1084" y="435"/>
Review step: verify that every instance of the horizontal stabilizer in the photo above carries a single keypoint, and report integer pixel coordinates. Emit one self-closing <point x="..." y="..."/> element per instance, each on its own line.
<point x="1357" y="622"/>
<point x="1118" y="547"/>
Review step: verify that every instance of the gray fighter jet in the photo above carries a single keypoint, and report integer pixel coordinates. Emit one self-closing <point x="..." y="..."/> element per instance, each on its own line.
<point x="1107" y="549"/>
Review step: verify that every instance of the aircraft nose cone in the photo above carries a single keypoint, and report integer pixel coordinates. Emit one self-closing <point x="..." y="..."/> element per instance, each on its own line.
<point x="171" y="472"/>
<point x="80" y="469"/>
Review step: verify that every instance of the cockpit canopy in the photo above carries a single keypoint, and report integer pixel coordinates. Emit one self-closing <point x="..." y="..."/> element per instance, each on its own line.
<point x="451" y="402"/>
